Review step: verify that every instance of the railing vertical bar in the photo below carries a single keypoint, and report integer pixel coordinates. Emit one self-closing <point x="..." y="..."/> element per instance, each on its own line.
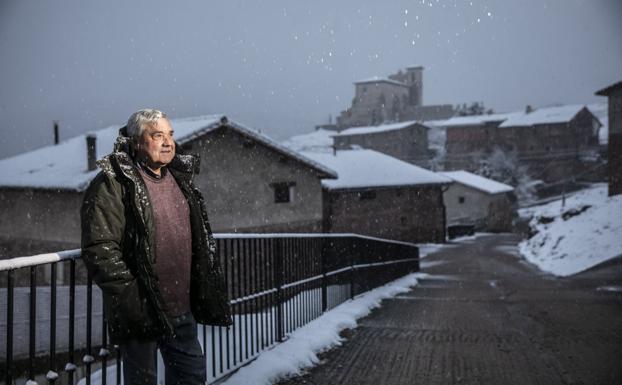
<point x="239" y="285"/>
<point x="9" y="328"/>
<point x="220" y="329"/>
<point x="52" y="375"/>
<point x="228" y="286"/>
<point x="279" y="249"/>
<point x="273" y="302"/>
<point x="103" y="352"/>
<point x="250" y="261"/>
<point x="88" y="358"/>
<point x="234" y="308"/>
<point x="257" y="289"/>
<point x="118" y="358"/>
<point x="263" y="286"/>
<point x="70" y="367"/>
<point x="246" y="274"/>
<point x="32" y="325"/>
<point x="213" y="343"/>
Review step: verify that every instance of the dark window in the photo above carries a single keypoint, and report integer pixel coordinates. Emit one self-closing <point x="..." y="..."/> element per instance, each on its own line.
<point x="367" y="195"/>
<point x="283" y="191"/>
<point x="403" y="220"/>
<point x="461" y="199"/>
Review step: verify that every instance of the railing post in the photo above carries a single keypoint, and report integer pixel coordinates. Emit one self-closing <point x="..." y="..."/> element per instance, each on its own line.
<point x="32" y="323"/>
<point x="51" y="374"/>
<point x="323" y="242"/>
<point x="70" y="366"/>
<point x="9" y="328"/>
<point x="278" y="281"/>
<point x="353" y="249"/>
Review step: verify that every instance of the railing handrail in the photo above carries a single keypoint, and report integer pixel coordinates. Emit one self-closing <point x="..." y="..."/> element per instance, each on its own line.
<point x="39" y="259"/>
<point x="42" y="259"/>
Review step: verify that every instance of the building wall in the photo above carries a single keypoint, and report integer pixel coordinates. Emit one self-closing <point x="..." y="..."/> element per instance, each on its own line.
<point x="551" y="152"/>
<point x="373" y="103"/>
<point x="36" y="221"/>
<point x="409" y="144"/>
<point x="615" y="143"/>
<point x="236" y="177"/>
<point x="412" y="214"/>
<point x="490" y="212"/>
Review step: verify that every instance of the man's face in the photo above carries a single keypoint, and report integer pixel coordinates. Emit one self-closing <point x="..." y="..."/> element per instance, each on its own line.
<point x="156" y="146"/>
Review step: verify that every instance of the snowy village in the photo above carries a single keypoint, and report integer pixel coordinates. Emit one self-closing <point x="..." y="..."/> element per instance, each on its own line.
<point x="407" y="230"/>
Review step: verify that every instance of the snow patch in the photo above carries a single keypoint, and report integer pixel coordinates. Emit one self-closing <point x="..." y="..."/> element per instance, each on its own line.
<point x="573" y="237"/>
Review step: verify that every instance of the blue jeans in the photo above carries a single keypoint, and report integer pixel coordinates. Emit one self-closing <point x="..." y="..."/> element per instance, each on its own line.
<point x="184" y="362"/>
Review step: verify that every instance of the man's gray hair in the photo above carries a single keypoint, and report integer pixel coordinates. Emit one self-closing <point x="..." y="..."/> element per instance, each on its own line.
<point x="136" y="123"/>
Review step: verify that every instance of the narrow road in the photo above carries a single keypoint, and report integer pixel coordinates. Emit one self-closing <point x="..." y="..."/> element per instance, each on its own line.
<point x="484" y="316"/>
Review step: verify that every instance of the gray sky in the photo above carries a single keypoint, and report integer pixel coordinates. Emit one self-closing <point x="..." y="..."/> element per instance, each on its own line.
<point x="284" y="66"/>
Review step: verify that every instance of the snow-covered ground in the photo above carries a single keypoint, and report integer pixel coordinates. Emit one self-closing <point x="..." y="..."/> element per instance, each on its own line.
<point x="582" y="233"/>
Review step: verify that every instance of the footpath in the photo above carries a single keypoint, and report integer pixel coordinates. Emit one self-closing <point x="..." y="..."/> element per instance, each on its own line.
<point x="484" y="316"/>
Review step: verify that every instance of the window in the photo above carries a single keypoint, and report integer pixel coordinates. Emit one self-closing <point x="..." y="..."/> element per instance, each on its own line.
<point x="367" y="195"/>
<point x="283" y="191"/>
<point x="403" y="220"/>
<point x="461" y="199"/>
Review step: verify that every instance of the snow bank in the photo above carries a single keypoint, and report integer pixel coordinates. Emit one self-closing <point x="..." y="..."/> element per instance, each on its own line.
<point x="301" y="349"/>
<point x="580" y="235"/>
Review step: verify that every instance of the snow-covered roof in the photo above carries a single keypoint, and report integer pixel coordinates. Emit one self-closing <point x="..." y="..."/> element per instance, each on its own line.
<point x="374" y="129"/>
<point x="609" y="89"/>
<point x="377" y="79"/>
<point x="545" y="115"/>
<point x="318" y="140"/>
<point x="477" y="182"/>
<point x="368" y="168"/>
<point x="64" y="166"/>
<point x="478" y="119"/>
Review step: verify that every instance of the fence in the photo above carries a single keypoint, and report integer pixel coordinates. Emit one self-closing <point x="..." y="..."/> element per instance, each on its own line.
<point x="276" y="282"/>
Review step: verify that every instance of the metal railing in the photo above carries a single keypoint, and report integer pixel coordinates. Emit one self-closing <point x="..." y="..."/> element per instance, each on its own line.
<point x="53" y="328"/>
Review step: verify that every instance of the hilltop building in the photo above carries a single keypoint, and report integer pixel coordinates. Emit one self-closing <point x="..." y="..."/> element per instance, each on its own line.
<point x="396" y="98"/>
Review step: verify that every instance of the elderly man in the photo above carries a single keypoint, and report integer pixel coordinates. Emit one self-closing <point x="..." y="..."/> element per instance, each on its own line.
<point x="147" y="243"/>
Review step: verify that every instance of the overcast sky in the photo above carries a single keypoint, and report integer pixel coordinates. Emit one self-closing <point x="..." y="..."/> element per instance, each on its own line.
<point x="284" y="66"/>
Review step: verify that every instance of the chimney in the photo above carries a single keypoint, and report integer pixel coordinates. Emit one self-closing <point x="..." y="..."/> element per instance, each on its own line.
<point x="528" y="109"/>
<point x="56" y="135"/>
<point x="91" y="151"/>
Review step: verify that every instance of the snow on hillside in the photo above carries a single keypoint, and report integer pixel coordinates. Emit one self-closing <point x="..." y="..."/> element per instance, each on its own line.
<point x="583" y="233"/>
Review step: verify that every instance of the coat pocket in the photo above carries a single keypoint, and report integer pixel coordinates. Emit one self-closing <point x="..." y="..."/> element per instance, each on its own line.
<point x="131" y="314"/>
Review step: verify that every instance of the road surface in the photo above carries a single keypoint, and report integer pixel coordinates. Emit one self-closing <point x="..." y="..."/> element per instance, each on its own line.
<point x="485" y="316"/>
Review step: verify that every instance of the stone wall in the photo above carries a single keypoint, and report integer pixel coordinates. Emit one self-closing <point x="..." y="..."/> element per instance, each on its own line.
<point x="412" y="214"/>
<point x="237" y="177"/>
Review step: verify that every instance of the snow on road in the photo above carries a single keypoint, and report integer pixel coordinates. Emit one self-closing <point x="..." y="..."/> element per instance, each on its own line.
<point x="577" y="235"/>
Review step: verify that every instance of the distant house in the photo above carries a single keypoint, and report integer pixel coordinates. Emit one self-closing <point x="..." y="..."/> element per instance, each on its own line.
<point x="250" y="182"/>
<point x="554" y="143"/>
<point x="614" y="157"/>
<point x="407" y="141"/>
<point x="481" y="202"/>
<point x="381" y="196"/>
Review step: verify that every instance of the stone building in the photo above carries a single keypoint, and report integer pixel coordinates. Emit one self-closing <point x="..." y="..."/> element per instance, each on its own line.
<point x="483" y="203"/>
<point x="378" y="195"/>
<point x="250" y="182"/>
<point x="407" y="141"/>
<point x="614" y="149"/>
<point x="397" y="98"/>
<point x="554" y="143"/>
